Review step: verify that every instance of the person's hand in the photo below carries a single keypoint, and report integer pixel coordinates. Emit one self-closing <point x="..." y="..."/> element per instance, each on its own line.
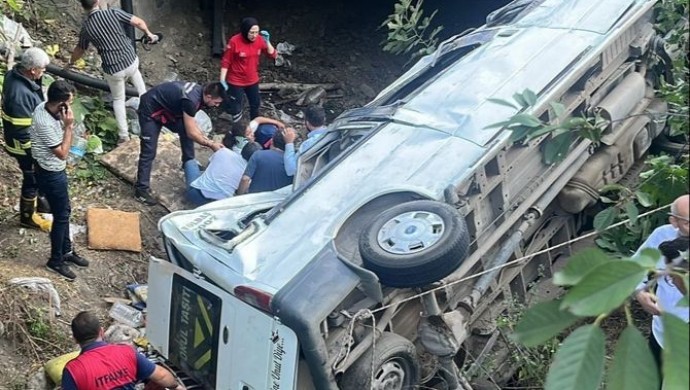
<point x="289" y="135"/>
<point x="153" y="38"/>
<point x="224" y="84"/>
<point x="215" y="146"/>
<point x="67" y="116"/>
<point x="648" y="301"/>
<point x="265" y="35"/>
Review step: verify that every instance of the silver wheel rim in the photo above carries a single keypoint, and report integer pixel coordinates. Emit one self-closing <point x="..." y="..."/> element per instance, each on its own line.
<point x="411" y="232"/>
<point x="390" y="376"/>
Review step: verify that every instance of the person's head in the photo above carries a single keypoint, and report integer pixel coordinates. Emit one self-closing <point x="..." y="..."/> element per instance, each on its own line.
<point x="278" y="141"/>
<point x="229" y="140"/>
<point x="264" y="135"/>
<point x="680" y="215"/>
<point x="214" y="93"/>
<point x="314" y="117"/>
<point x="89" y="4"/>
<point x="249" y="29"/>
<point x="61" y="91"/>
<point x="242" y="129"/>
<point x="33" y="63"/>
<point x="249" y="149"/>
<point x="86" y="327"/>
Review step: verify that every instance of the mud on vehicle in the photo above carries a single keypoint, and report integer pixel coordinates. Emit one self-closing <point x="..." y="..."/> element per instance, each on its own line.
<point x="404" y="199"/>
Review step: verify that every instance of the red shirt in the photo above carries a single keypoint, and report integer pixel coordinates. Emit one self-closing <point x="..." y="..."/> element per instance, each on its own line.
<point x="241" y="58"/>
<point x="103" y="366"/>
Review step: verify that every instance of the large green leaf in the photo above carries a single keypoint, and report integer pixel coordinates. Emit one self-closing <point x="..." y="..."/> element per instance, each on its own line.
<point x="605" y="288"/>
<point x="676" y="358"/>
<point x="502" y="102"/>
<point x="648" y="258"/>
<point x="528" y="120"/>
<point x="605" y="218"/>
<point x="632" y="211"/>
<point x="579" y="265"/>
<point x="530" y="97"/>
<point x="633" y="364"/>
<point x="557" y="148"/>
<point x="542" y="322"/>
<point x="579" y="362"/>
<point x="644" y="198"/>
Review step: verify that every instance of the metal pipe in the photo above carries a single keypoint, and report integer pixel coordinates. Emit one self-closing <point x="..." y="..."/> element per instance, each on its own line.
<point x="85" y="79"/>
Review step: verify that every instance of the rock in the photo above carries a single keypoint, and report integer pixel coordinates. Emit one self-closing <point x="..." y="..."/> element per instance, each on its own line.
<point x="38" y="381"/>
<point x="367" y="90"/>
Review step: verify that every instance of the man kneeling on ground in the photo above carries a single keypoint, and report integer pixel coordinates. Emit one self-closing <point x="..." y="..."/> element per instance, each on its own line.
<point x="108" y="366"/>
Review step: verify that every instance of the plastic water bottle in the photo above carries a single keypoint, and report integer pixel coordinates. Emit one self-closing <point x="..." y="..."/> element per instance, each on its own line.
<point x="78" y="148"/>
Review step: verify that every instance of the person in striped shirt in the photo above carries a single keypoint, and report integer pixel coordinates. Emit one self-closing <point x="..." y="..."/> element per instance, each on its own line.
<point x="105" y="29"/>
<point x="51" y="138"/>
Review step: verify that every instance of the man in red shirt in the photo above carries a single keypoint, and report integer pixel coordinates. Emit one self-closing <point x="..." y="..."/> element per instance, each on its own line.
<point x="103" y="366"/>
<point x="239" y="67"/>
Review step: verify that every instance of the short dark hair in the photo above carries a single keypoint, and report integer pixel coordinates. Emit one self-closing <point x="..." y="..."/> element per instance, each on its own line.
<point x="215" y="89"/>
<point x="239" y="128"/>
<point x="278" y="140"/>
<point x="86" y="327"/>
<point x="315" y="115"/>
<point x="60" y="91"/>
<point x="88" y="4"/>
<point x="249" y="149"/>
<point x="229" y="140"/>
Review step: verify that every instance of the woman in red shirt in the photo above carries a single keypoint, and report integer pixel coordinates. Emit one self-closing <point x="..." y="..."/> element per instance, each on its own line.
<point x="239" y="67"/>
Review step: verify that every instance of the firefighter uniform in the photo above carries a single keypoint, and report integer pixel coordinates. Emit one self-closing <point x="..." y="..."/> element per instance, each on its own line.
<point x="20" y="96"/>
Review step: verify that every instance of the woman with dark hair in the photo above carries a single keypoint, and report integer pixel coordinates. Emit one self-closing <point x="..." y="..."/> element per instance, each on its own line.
<point x="221" y="177"/>
<point x="239" y="67"/>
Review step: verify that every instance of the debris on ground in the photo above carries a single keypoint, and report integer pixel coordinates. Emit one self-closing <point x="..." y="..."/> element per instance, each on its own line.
<point x="40" y="285"/>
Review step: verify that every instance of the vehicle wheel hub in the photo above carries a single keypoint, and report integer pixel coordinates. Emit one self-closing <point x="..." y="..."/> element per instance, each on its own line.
<point x="411" y="232"/>
<point x="391" y="376"/>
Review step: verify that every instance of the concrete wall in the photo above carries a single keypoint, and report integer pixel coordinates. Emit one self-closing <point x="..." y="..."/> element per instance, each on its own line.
<point x="152" y="10"/>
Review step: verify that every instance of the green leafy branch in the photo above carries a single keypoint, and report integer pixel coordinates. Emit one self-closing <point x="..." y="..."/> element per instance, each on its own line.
<point x="663" y="182"/>
<point x="526" y="127"/>
<point x="407" y="30"/>
<point x="597" y="286"/>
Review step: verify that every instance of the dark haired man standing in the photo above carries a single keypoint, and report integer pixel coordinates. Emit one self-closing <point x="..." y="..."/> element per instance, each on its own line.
<point x="51" y="138"/>
<point x="103" y="366"/>
<point x="172" y="104"/>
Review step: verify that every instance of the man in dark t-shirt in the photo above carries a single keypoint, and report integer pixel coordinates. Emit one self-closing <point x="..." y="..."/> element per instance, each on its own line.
<point x="173" y="105"/>
<point x="265" y="170"/>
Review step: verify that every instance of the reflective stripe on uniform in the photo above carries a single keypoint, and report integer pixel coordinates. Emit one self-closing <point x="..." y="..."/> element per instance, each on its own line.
<point x="19" y="148"/>
<point x="17" y="121"/>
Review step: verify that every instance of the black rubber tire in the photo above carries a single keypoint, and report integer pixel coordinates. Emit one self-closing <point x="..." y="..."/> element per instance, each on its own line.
<point x="389" y="348"/>
<point x="665" y="144"/>
<point x="423" y="267"/>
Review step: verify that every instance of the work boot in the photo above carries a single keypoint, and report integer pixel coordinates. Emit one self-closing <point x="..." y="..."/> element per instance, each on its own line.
<point x="42" y="205"/>
<point x="29" y="218"/>
<point x="62" y="270"/>
<point x="75" y="259"/>
<point x="145" y="197"/>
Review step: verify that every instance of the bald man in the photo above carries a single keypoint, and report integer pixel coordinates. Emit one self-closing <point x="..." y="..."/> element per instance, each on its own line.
<point x="666" y="296"/>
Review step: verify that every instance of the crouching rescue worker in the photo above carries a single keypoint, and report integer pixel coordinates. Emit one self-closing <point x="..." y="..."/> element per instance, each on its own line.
<point x="51" y="137"/>
<point x="173" y="105"/>
<point x="103" y="366"/>
<point x="21" y="93"/>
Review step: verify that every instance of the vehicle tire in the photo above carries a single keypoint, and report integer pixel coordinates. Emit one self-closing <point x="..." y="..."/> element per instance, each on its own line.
<point x="395" y="363"/>
<point x="665" y="144"/>
<point x="415" y="243"/>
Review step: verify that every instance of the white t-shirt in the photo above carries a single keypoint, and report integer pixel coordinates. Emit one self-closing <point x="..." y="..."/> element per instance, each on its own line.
<point x="222" y="176"/>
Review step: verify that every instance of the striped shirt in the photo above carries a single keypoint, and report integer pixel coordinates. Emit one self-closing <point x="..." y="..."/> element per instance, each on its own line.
<point x="105" y="29"/>
<point x="46" y="133"/>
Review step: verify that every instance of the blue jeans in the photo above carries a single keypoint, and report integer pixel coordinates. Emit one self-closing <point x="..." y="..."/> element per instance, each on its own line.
<point x="54" y="186"/>
<point x="191" y="173"/>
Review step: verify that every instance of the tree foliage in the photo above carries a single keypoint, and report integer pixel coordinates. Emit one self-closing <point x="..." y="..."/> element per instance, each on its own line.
<point x="408" y="30"/>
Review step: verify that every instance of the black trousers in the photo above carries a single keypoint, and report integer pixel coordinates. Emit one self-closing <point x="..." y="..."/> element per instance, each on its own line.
<point x="150" y="131"/>
<point x="657" y="352"/>
<point x="29" y="188"/>
<point x="233" y="104"/>
<point x="54" y="186"/>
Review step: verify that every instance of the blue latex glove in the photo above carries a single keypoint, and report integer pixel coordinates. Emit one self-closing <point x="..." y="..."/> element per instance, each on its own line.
<point x="266" y="35"/>
<point x="224" y="84"/>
